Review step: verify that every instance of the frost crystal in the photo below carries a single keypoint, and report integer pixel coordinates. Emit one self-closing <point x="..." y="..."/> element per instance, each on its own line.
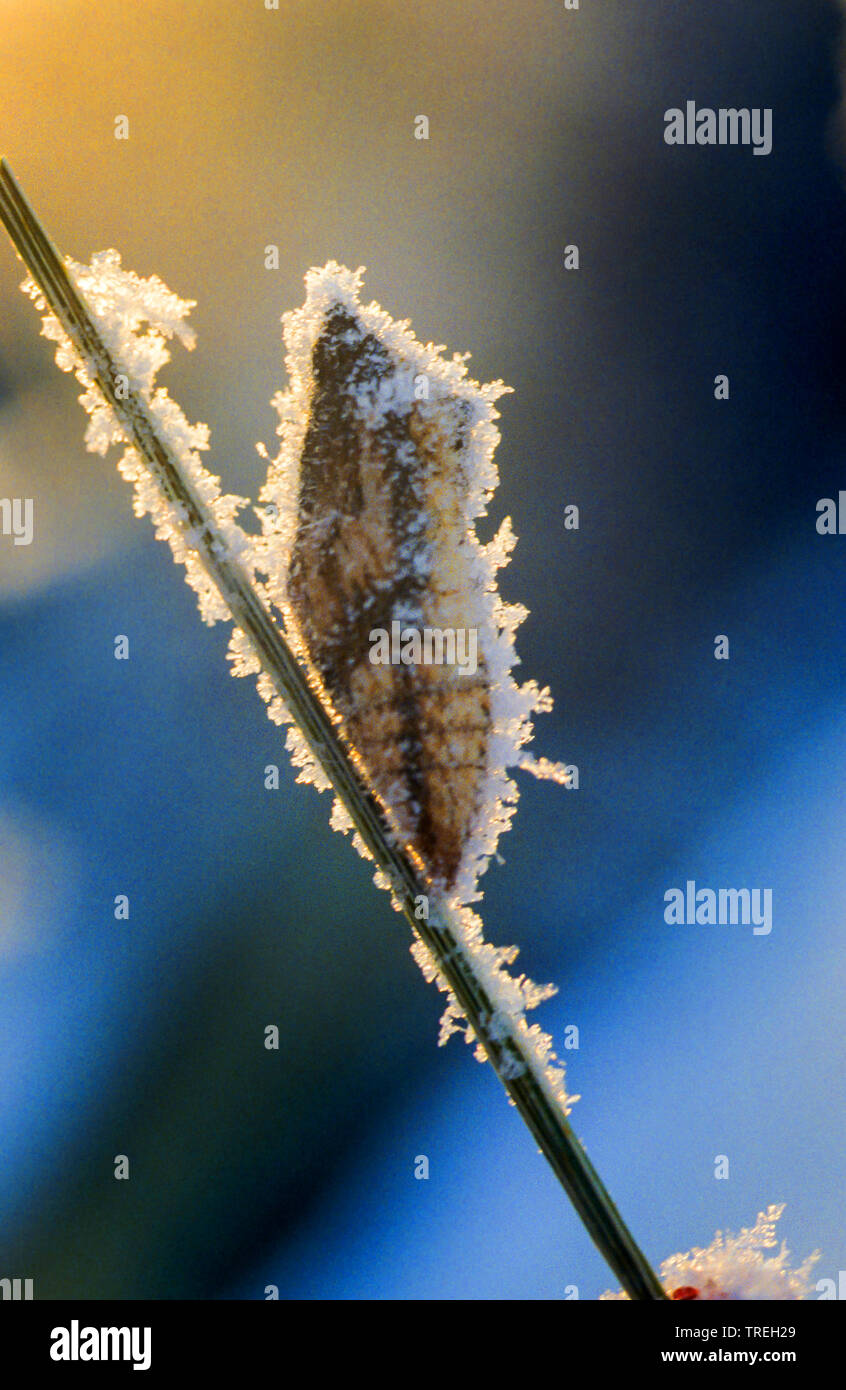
<point x="121" y="304"/>
<point x="735" y="1268"/>
<point x="368" y="524"/>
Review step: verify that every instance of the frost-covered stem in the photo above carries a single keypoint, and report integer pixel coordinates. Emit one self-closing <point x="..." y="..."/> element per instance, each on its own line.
<point x="514" y="1063"/>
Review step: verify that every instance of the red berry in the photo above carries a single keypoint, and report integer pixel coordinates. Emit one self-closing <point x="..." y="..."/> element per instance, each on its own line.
<point x="686" y="1291"/>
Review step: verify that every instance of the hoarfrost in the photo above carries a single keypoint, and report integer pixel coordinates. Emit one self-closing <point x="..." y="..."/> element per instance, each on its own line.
<point x="136" y="317"/>
<point x="735" y="1267"/>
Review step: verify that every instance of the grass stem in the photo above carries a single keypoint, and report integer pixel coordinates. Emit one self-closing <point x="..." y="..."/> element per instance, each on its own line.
<point x="509" y="1058"/>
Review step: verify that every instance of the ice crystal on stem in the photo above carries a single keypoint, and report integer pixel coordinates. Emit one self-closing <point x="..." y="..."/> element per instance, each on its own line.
<point x="136" y="317"/>
<point x="735" y="1268"/>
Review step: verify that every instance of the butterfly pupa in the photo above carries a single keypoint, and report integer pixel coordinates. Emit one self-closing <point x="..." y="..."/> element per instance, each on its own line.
<point x="385" y="465"/>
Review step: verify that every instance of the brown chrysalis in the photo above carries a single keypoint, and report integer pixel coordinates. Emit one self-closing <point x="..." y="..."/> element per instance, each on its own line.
<point x="388" y="595"/>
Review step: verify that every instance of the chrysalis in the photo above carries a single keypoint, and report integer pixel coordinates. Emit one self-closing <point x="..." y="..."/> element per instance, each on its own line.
<point x="371" y="553"/>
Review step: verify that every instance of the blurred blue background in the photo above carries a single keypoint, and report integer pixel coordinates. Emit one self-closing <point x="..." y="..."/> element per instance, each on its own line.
<point x="145" y="1037"/>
